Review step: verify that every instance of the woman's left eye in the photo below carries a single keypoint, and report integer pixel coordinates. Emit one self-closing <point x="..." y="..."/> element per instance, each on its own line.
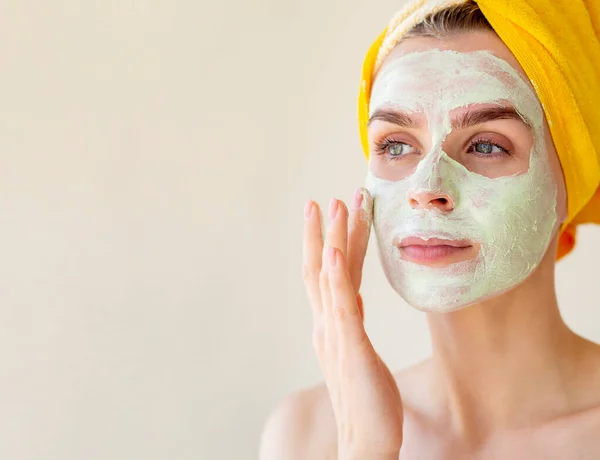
<point x="487" y="148"/>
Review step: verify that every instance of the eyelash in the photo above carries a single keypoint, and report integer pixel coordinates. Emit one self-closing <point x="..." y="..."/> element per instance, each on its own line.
<point x="381" y="148"/>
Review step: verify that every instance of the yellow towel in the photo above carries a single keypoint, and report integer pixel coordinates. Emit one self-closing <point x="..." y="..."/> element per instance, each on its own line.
<point x="557" y="42"/>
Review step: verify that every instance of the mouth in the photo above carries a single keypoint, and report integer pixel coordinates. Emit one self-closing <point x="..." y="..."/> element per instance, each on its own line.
<point x="435" y="251"/>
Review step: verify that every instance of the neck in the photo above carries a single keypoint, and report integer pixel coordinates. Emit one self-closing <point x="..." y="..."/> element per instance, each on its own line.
<point x="505" y="363"/>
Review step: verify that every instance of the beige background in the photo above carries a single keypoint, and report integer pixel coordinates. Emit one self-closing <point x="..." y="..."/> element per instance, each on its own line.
<point x="155" y="158"/>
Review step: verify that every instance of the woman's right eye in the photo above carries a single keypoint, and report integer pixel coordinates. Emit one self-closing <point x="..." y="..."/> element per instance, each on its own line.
<point x="396" y="150"/>
<point x="393" y="149"/>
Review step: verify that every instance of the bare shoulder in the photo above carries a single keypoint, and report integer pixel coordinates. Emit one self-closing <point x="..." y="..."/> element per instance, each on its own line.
<point x="575" y="434"/>
<point x="586" y="417"/>
<point x="301" y="426"/>
<point x="588" y="382"/>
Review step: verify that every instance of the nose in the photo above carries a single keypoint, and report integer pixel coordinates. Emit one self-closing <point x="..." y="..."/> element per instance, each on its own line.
<point x="431" y="200"/>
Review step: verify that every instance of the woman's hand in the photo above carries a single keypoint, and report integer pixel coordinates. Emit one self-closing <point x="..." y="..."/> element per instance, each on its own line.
<point x="365" y="398"/>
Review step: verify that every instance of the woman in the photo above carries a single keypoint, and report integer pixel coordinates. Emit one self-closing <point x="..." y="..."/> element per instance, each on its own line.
<point x="482" y="138"/>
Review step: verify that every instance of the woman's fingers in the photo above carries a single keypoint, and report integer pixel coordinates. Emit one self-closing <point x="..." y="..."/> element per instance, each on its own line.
<point x="336" y="238"/>
<point x="312" y="250"/>
<point x="345" y="311"/>
<point x="368" y="411"/>
<point x="337" y="231"/>
<point x="319" y="254"/>
<point x="359" y="228"/>
<point x="359" y="302"/>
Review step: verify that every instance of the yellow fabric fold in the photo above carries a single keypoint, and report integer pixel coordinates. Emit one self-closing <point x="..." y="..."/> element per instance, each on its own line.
<point x="558" y="45"/>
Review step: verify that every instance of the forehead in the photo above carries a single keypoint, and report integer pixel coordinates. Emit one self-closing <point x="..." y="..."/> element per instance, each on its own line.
<point x="475" y="68"/>
<point x="463" y="43"/>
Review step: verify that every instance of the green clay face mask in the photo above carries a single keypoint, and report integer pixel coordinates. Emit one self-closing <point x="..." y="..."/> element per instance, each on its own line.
<point x="510" y="218"/>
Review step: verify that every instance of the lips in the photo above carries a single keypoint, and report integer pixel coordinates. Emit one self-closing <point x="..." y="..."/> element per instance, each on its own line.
<point x="418" y="241"/>
<point x="435" y="251"/>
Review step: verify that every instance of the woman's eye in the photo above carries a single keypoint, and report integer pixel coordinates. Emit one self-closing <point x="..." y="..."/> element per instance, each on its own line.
<point x="394" y="149"/>
<point x="487" y="148"/>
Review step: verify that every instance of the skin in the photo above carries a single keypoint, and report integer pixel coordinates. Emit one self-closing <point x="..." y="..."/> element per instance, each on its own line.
<point x="507" y="378"/>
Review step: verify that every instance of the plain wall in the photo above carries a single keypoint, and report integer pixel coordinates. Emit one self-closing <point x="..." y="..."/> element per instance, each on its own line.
<point x="154" y="161"/>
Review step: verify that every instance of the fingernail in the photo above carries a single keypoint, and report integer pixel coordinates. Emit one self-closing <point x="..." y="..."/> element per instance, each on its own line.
<point x="308" y="209"/>
<point x="332" y="256"/>
<point x="333" y="207"/>
<point x="358" y="198"/>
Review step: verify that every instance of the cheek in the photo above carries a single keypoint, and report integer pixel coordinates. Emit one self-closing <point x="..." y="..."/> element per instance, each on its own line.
<point x="561" y="191"/>
<point x="561" y="199"/>
<point x="482" y="199"/>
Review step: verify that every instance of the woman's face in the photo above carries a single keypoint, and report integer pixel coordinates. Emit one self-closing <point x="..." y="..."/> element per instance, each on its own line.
<point x="467" y="185"/>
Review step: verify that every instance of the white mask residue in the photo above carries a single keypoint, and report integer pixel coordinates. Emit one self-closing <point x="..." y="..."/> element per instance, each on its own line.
<point x="512" y="218"/>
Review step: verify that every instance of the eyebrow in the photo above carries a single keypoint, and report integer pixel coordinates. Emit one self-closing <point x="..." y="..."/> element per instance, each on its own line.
<point x="476" y="117"/>
<point x="402" y="119"/>
<point x="465" y="120"/>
